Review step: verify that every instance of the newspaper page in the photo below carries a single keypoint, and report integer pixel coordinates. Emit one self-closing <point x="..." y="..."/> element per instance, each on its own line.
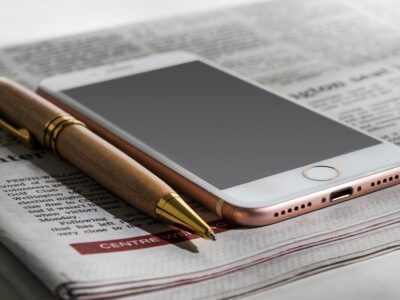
<point x="84" y="243"/>
<point x="366" y="97"/>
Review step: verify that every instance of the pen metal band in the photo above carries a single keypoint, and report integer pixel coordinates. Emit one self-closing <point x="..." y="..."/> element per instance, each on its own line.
<point x="55" y="126"/>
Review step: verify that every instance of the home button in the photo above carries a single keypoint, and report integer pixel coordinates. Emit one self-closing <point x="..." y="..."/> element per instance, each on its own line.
<point x="321" y="173"/>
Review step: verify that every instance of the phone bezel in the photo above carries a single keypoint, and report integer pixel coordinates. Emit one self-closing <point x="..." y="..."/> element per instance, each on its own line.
<point x="263" y="192"/>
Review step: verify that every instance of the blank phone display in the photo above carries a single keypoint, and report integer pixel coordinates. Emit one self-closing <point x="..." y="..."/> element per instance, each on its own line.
<point x="220" y="128"/>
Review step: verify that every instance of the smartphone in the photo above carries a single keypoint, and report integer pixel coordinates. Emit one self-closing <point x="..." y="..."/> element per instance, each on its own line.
<point x="248" y="153"/>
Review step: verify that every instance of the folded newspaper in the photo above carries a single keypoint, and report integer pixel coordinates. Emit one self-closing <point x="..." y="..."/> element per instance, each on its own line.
<point x="84" y="243"/>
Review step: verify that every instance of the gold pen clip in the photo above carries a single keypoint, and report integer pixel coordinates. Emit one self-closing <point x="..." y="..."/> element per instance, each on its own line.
<point x="22" y="134"/>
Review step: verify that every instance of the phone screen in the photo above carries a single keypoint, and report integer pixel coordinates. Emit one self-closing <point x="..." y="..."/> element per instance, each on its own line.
<point x="217" y="126"/>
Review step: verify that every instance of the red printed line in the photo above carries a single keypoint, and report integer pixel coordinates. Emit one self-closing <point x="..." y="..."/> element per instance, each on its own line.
<point x="144" y="241"/>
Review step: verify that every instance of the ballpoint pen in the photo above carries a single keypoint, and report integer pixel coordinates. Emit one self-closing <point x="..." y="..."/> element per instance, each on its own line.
<point x="38" y="119"/>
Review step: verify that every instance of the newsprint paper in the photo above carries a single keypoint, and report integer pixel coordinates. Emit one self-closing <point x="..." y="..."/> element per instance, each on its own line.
<point x="340" y="57"/>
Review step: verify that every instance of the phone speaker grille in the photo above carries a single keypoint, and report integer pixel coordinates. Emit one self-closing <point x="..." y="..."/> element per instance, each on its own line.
<point x="292" y="209"/>
<point x="385" y="180"/>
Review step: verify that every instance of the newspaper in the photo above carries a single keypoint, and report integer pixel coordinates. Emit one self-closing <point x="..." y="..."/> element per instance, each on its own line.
<point x="340" y="57"/>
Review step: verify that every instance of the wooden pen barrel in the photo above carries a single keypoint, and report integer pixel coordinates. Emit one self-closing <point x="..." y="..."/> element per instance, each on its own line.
<point x="111" y="167"/>
<point x="88" y="152"/>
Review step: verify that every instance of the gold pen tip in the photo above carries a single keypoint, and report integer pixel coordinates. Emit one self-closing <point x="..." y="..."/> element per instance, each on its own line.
<point x="174" y="209"/>
<point x="211" y="236"/>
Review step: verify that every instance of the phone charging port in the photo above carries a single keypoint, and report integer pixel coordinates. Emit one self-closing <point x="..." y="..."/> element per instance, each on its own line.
<point x="341" y="194"/>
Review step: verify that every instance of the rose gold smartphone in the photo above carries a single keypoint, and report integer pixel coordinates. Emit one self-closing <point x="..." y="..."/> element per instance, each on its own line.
<point x="248" y="153"/>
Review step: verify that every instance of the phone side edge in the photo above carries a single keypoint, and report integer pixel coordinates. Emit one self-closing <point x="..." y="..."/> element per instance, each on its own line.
<point x="311" y="202"/>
